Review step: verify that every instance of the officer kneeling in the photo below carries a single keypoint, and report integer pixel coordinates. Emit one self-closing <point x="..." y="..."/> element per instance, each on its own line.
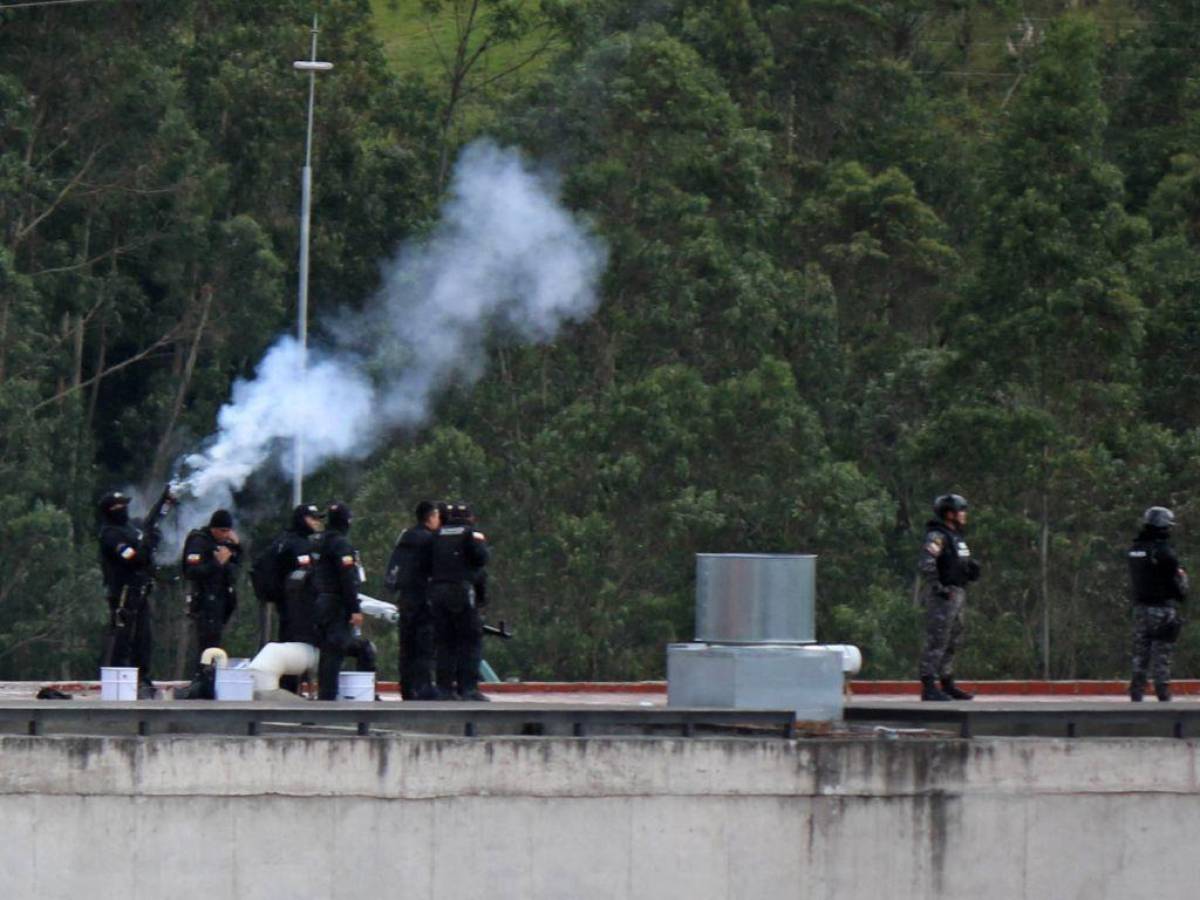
<point x="1159" y="584"/>
<point x="458" y="557"/>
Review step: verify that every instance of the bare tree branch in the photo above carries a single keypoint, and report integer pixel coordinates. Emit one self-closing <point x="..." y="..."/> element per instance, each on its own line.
<point x="137" y="357"/>
<point x="58" y="201"/>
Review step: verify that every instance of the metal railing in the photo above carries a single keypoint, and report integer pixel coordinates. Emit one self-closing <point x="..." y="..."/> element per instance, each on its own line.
<point x="92" y="717"/>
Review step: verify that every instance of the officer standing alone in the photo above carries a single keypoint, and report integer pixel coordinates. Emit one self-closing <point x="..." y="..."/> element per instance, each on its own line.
<point x="946" y="567"/>
<point x="338" y="576"/>
<point x="459" y="555"/>
<point x="408" y="573"/>
<point x="1159" y="584"/>
<point x="210" y="564"/>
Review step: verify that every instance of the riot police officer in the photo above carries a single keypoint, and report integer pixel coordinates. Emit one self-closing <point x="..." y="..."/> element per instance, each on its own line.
<point x="210" y="564"/>
<point x="283" y="576"/>
<point x="458" y="556"/>
<point x="337" y="575"/>
<point x="946" y="567"/>
<point x="408" y="574"/>
<point x="127" y="563"/>
<point x="1159" y="584"/>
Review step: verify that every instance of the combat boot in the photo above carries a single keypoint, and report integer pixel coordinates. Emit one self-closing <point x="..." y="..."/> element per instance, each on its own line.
<point x="1136" y="693"/>
<point x="1163" y="692"/>
<point x="930" y="690"/>
<point x="954" y="692"/>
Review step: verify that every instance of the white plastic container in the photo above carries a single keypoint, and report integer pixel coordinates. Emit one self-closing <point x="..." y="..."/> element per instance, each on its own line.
<point x="118" y="683"/>
<point x="234" y="684"/>
<point x="356" y="686"/>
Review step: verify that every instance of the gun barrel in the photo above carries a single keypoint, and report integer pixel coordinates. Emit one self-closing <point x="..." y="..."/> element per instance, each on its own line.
<point x="500" y="632"/>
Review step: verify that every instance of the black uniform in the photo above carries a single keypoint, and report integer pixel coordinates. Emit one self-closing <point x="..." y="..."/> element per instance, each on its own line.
<point x="286" y="580"/>
<point x="127" y="562"/>
<point x="1158" y="586"/>
<point x="337" y="577"/>
<point x="362" y="650"/>
<point x="212" y="587"/>
<point x="408" y="573"/>
<point x="297" y="612"/>
<point x="458" y="557"/>
<point x="946" y="568"/>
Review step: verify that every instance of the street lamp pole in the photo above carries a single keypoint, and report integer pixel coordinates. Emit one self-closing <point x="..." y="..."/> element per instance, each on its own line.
<point x="312" y="67"/>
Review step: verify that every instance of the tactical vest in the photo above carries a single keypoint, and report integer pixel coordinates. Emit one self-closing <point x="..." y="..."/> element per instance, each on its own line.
<point x="1152" y="569"/>
<point x="952" y="561"/>
<point x="450" y="563"/>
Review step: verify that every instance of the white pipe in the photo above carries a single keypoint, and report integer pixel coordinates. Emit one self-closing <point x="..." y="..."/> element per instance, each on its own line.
<point x="214" y="656"/>
<point x="851" y="656"/>
<point x="378" y="609"/>
<point x="276" y="659"/>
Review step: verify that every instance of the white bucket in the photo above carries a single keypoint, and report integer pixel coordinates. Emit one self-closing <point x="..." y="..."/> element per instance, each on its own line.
<point x="234" y="684"/>
<point x="118" y="683"/>
<point x="357" y="686"/>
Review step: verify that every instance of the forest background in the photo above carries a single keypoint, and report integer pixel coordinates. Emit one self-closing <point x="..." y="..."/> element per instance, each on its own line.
<point x="860" y="253"/>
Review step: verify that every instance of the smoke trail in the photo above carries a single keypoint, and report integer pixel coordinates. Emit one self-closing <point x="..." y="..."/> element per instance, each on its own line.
<point x="505" y="254"/>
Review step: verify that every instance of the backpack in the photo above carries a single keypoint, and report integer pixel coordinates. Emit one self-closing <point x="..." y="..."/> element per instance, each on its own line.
<point x="402" y="572"/>
<point x="265" y="575"/>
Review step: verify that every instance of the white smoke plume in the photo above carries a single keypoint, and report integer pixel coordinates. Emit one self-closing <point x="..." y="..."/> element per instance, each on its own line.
<point x="505" y="254"/>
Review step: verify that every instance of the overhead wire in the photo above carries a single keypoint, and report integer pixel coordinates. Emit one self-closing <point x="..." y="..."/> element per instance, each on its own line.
<point x="27" y="4"/>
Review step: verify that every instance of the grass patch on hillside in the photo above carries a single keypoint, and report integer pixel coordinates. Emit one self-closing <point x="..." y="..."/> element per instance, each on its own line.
<point x="416" y="43"/>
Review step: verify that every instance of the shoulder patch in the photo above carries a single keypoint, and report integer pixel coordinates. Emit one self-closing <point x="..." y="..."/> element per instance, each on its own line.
<point x="304" y="560"/>
<point x="479" y="536"/>
<point x="193" y="558"/>
<point x="934" y="542"/>
<point x="348" y="561"/>
<point x="127" y="552"/>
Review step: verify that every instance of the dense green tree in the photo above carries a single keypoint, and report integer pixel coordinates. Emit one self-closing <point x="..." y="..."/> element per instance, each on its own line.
<point x="860" y="253"/>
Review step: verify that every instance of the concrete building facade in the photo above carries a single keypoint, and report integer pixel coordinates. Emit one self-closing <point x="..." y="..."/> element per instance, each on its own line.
<point x="574" y="819"/>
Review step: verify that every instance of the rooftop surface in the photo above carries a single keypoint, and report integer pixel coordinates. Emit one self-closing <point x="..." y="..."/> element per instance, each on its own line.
<point x="881" y="709"/>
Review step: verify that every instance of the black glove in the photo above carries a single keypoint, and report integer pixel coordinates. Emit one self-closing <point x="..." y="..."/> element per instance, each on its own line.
<point x="974" y="570"/>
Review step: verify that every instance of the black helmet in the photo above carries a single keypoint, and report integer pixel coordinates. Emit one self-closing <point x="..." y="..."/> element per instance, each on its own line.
<point x="339" y="516"/>
<point x="114" y="507"/>
<point x="458" y="513"/>
<point x="1158" y="517"/>
<point x="112" y="500"/>
<point x="948" y="503"/>
<point x="304" y="511"/>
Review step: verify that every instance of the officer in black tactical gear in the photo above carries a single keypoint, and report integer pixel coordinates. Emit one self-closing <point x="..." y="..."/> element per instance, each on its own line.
<point x="210" y="564"/>
<point x="946" y="567"/>
<point x="1159" y="585"/>
<point x="459" y="555"/>
<point x="338" y="575"/>
<point x="408" y="573"/>
<point x="127" y="562"/>
<point x="283" y="576"/>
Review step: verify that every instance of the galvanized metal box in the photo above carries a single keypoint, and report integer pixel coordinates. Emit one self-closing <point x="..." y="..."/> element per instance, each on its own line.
<point x="766" y="676"/>
<point x="747" y="598"/>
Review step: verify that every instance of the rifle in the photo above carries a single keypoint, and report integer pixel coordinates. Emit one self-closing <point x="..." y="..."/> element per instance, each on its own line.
<point x="153" y="518"/>
<point x="500" y="632"/>
<point x="150" y="524"/>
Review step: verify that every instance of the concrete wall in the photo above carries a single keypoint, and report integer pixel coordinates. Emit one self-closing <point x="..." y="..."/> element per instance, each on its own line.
<point x="182" y="817"/>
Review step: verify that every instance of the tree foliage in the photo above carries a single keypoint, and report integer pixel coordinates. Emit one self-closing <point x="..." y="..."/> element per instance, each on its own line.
<point x="861" y="253"/>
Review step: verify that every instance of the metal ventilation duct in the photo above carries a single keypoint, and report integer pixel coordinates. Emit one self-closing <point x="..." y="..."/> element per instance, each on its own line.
<point x="755" y="598"/>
